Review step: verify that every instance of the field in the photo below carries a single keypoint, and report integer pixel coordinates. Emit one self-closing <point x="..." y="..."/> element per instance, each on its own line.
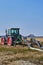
<point x="10" y="55"/>
<point x="38" y="39"/>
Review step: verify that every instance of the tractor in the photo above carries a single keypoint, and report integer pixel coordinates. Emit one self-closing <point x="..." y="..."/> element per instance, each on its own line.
<point x="12" y="37"/>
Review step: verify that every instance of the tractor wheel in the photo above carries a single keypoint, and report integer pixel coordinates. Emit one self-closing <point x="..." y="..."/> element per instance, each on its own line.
<point x="2" y="40"/>
<point x="9" y="41"/>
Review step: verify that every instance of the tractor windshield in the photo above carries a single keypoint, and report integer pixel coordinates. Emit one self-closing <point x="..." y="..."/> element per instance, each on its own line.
<point x="15" y="31"/>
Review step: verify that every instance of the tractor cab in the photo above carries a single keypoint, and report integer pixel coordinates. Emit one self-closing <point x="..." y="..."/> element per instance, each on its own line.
<point x="12" y="32"/>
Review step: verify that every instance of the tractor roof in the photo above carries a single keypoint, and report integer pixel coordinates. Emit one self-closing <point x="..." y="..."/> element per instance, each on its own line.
<point x="15" y="28"/>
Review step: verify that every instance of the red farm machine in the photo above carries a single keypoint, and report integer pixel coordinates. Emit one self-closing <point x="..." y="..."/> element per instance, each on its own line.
<point x="12" y="37"/>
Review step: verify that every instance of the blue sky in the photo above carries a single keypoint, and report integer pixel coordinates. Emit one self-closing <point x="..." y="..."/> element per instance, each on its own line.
<point x="25" y="14"/>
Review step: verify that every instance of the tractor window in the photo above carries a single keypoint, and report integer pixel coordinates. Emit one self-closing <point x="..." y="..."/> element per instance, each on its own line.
<point x="15" y="31"/>
<point x="9" y="32"/>
<point x="12" y="31"/>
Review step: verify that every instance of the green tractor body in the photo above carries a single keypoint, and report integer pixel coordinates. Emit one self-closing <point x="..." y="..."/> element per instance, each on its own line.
<point x="13" y="36"/>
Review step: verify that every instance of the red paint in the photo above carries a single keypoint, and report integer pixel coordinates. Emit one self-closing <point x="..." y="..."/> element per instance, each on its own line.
<point x="2" y="40"/>
<point x="9" y="41"/>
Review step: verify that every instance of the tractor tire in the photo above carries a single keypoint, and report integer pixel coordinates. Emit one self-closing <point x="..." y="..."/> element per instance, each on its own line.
<point x="9" y="41"/>
<point x="2" y="41"/>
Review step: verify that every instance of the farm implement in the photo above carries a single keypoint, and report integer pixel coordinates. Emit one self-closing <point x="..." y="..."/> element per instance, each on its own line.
<point x="13" y="37"/>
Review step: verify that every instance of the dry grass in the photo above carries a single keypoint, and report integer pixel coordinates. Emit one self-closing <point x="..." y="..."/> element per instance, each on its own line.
<point x="38" y="39"/>
<point x="10" y="54"/>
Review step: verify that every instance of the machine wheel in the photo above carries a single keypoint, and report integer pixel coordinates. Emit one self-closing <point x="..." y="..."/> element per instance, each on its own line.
<point x="2" y="40"/>
<point x="9" y="41"/>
